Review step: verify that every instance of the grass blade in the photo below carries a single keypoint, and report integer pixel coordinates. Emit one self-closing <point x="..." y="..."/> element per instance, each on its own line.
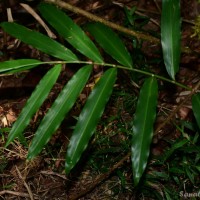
<point x="39" y="41"/>
<point x="173" y="148"/>
<point x="110" y="42"/>
<point x="143" y="127"/>
<point x="196" y="107"/>
<point x="12" y="66"/>
<point x="171" y="35"/>
<point x="89" y="117"/>
<point x="34" y="102"/>
<point x="70" y="31"/>
<point x="59" y="109"/>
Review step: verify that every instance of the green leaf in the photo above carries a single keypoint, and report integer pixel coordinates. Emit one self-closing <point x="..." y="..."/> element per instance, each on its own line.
<point x="89" y="118"/>
<point x="12" y="66"/>
<point x="190" y="174"/>
<point x="167" y="194"/>
<point x="39" y="41"/>
<point x="143" y="127"/>
<point x="198" y="168"/>
<point x="196" y="107"/>
<point x="59" y="109"/>
<point x="176" y="170"/>
<point x="22" y="140"/>
<point x="174" y="147"/>
<point x="70" y="31"/>
<point x="171" y="35"/>
<point x="110" y="42"/>
<point x="34" y="102"/>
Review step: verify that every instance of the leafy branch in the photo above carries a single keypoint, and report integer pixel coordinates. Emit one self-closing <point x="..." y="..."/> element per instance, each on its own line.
<point x="27" y="64"/>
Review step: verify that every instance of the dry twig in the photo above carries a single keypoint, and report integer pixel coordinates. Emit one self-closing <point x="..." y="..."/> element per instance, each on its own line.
<point x="99" y="179"/>
<point x="25" y="184"/>
<point x="39" y="19"/>
<point x="169" y="118"/>
<point x="54" y="174"/>
<point x="19" y="194"/>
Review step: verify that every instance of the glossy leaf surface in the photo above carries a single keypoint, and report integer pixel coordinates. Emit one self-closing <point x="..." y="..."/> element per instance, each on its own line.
<point x="196" y="107"/>
<point x="39" y="41"/>
<point x="143" y="127"/>
<point x="171" y="35"/>
<point x="34" y="102"/>
<point x="18" y="65"/>
<point x="89" y="118"/>
<point x="58" y="110"/>
<point x="110" y="42"/>
<point x="70" y="31"/>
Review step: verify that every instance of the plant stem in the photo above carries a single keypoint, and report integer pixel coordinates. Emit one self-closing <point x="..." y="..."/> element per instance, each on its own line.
<point x="121" y="67"/>
<point x="114" y="66"/>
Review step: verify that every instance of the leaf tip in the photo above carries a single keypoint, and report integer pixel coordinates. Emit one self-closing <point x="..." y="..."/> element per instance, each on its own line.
<point x="29" y="157"/>
<point x="136" y="181"/>
<point x="68" y="167"/>
<point x="7" y="143"/>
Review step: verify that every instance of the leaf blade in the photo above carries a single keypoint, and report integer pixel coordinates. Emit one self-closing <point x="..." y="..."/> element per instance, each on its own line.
<point x="59" y="109"/>
<point x="70" y="31"/>
<point x="110" y="42"/>
<point x="18" y="65"/>
<point x="171" y="35"/>
<point x="196" y="107"/>
<point x="89" y="117"/>
<point x="34" y="102"/>
<point x="39" y="41"/>
<point x="143" y="127"/>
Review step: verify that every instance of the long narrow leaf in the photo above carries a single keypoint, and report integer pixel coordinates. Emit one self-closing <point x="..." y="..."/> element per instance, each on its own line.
<point x="89" y="118"/>
<point x="196" y="107"/>
<point x="173" y="148"/>
<point x="39" y="41"/>
<point x="171" y="35"/>
<point x="34" y="102"/>
<point x="143" y="127"/>
<point x="70" y="31"/>
<point x="18" y="65"/>
<point x="59" y="109"/>
<point x="110" y="42"/>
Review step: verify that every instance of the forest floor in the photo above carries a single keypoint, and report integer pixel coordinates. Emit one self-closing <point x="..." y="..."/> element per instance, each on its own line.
<point x="105" y="170"/>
